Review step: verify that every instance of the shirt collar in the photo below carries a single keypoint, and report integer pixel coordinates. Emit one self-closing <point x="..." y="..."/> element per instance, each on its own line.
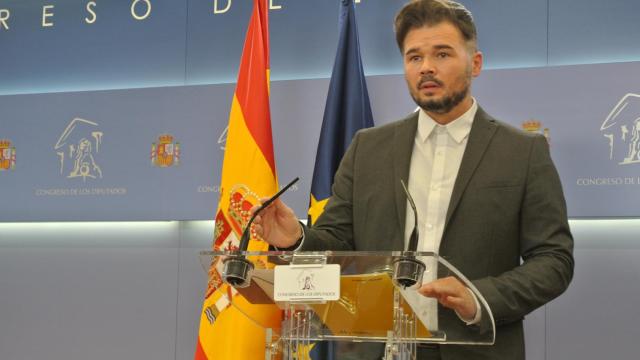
<point x="458" y="129"/>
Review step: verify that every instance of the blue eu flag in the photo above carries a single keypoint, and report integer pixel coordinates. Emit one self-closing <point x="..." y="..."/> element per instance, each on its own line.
<point x="347" y="110"/>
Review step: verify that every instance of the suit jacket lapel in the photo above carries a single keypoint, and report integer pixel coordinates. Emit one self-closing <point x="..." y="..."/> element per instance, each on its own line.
<point x="404" y="136"/>
<point x="482" y="130"/>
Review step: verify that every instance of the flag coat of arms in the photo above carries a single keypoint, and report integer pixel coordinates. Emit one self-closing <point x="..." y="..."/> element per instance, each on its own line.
<point x="231" y="327"/>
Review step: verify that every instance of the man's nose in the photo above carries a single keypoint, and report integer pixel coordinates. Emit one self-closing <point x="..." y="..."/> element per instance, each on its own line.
<point x="427" y="67"/>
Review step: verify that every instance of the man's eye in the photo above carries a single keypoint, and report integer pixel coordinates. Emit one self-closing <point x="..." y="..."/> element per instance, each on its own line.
<point x="442" y="55"/>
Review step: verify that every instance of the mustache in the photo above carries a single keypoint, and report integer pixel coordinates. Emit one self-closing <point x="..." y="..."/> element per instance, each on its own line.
<point x="427" y="78"/>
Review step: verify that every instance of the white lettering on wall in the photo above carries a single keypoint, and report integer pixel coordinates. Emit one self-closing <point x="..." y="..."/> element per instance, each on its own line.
<point x="216" y="10"/>
<point x="90" y="6"/>
<point x="135" y="14"/>
<point x="274" y="7"/>
<point x="46" y="14"/>
<point x="4" y="16"/>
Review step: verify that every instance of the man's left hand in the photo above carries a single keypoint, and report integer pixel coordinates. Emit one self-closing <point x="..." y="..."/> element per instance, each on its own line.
<point x="452" y="294"/>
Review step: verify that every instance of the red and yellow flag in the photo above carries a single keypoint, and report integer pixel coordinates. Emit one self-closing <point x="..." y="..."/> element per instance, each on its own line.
<point x="248" y="174"/>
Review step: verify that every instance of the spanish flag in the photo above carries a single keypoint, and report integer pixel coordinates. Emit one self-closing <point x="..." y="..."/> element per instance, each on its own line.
<point x="231" y="327"/>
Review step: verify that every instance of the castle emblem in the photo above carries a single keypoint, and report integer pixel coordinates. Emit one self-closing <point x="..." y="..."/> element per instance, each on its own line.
<point x="7" y="155"/>
<point x="77" y="148"/>
<point x="621" y="128"/>
<point x="165" y="152"/>
<point x="222" y="139"/>
<point x="305" y="280"/>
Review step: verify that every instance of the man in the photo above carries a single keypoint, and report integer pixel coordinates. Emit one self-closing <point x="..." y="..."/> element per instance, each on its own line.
<point x="488" y="195"/>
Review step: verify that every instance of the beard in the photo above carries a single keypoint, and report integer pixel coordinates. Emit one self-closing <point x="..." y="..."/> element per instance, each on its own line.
<point x="448" y="101"/>
<point x="444" y="105"/>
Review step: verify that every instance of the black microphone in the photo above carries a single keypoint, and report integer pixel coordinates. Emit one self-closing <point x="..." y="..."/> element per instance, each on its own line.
<point x="237" y="269"/>
<point x="407" y="270"/>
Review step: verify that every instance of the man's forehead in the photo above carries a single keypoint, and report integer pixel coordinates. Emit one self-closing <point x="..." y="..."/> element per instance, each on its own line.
<point x="432" y="40"/>
<point x="415" y="49"/>
<point x="437" y="36"/>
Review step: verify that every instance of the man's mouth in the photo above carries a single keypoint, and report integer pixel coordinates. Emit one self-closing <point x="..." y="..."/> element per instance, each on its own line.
<point x="429" y="84"/>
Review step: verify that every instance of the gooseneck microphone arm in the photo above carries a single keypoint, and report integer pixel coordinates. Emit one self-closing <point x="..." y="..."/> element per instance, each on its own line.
<point x="244" y="240"/>
<point x="413" y="239"/>
<point x="407" y="270"/>
<point x="237" y="269"/>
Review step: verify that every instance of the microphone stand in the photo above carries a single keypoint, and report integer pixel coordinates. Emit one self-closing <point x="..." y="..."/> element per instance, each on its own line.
<point x="237" y="269"/>
<point x="407" y="270"/>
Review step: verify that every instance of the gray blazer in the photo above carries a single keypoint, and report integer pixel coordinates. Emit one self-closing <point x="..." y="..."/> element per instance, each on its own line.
<point x="507" y="205"/>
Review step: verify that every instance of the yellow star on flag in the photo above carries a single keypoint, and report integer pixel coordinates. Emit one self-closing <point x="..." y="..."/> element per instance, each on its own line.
<point x="316" y="208"/>
<point x="303" y="351"/>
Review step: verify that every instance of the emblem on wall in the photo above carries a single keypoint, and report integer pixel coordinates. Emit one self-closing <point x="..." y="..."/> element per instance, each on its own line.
<point x="77" y="149"/>
<point x="535" y="126"/>
<point x="165" y="152"/>
<point x="222" y="139"/>
<point x="621" y="128"/>
<point x="7" y="155"/>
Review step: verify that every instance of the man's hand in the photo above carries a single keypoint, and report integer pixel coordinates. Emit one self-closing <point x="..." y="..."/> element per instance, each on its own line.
<point x="452" y="294"/>
<point x="277" y="224"/>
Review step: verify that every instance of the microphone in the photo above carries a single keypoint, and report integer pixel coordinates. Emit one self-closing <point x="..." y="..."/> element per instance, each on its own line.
<point x="237" y="269"/>
<point x="407" y="270"/>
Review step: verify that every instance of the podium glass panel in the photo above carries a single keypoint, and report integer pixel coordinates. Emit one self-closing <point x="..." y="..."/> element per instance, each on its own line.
<point x="375" y="303"/>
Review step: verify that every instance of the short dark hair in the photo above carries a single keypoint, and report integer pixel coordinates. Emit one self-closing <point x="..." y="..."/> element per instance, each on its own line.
<point x="419" y="13"/>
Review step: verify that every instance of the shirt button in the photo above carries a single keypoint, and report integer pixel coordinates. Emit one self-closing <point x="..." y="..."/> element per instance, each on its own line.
<point x="429" y="227"/>
<point x="439" y="152"/>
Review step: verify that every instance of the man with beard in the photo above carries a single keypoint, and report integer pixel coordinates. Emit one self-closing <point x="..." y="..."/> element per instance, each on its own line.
<point x="488" y="195"/>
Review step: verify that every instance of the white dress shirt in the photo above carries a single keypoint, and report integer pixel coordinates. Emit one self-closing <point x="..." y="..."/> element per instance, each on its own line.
<point x="436" y="158"/>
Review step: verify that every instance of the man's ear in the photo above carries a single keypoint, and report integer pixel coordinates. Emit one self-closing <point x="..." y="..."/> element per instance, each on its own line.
<point x="476" y="63"/>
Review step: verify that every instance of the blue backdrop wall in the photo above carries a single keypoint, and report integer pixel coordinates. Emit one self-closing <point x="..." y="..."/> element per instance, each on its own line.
<point x="117" y="82"/>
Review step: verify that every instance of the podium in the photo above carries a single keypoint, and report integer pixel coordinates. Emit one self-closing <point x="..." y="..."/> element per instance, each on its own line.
<point x="347" y="297"/>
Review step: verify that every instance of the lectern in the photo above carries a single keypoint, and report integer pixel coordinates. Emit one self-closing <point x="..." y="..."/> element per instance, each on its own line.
<point x="349" y="296"/>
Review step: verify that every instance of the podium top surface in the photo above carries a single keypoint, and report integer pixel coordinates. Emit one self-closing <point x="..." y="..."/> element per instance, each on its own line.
<point x="371" y="304"/>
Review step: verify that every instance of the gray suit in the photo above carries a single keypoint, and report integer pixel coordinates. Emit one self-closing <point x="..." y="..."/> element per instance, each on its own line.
<point x="507" y="204"/>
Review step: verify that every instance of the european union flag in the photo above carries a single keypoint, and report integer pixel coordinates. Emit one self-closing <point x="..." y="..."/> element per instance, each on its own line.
<point x="347" y="110"/>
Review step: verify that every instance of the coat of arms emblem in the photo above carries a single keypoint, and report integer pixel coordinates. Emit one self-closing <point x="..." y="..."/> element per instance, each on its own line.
<point x="535" y="126"/>
<point x="165" y="152"/>
<point x="7" y="155"/>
